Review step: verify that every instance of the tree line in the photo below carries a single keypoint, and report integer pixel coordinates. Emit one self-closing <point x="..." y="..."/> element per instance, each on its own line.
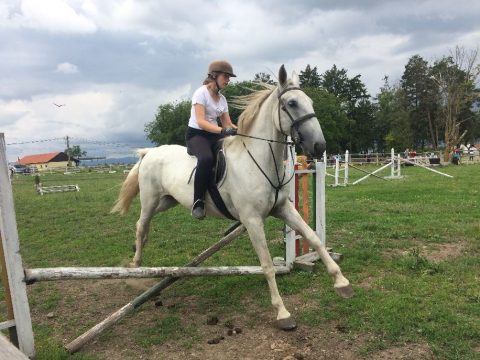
<point x="434" y="106"/>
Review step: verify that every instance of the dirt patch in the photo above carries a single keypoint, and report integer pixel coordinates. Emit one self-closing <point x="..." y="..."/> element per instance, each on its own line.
<point x="434" y="252"/>
<point x="249" y="335"/>
<point x="405" y="352"/>
<point x="443" y="252"/>
<point x="367" y="282"/>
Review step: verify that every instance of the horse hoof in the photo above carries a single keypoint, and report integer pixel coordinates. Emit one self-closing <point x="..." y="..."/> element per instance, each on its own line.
<point x="345" y="292"/>
<point x="287" y="324"/>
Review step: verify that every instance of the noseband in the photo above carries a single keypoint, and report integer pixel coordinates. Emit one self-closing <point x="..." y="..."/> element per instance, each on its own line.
<point x="295" y="122"/>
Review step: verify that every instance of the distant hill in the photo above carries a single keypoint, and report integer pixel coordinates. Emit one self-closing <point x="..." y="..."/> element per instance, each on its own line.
<point x="127" y="160"/>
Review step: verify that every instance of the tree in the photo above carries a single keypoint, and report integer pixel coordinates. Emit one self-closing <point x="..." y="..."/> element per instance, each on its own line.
<point x="421" y="101"/>
<point x="264" y="78"/>
<point x="392" y="118"/>
<point x="170" y="123"/>
<point x="456" y="77"/>
<point x="309" y="78"/>
<point x="75" y="151"/>
<point x="332" y="118"/>
<point x="355" y="101"/>
<point x="171" y="120"/>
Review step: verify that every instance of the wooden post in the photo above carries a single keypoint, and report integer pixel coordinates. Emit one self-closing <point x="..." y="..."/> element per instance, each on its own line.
<point x="12" y="332"/>
<point x="337" y="170"/>
<point x="320" y="202"/>
<point x="13" y="260"/>
<point x="345" y="179"/>
<point x="95" y="331"/>
<point x="297" y="241"/>
<point x="305" y="192"/>
<point x="289" y="232"/>
<point x="392" y="161"/>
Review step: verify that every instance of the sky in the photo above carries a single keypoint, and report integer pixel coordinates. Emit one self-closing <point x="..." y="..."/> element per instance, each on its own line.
<point x="97" y="71"/>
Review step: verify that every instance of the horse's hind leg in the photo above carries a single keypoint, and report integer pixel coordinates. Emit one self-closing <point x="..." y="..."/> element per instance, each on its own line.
<point x="293" y="219"/>
<point x="149" y="209"/>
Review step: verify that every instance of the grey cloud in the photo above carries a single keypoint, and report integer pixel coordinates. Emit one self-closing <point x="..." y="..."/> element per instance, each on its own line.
<point x="141" y="54"/>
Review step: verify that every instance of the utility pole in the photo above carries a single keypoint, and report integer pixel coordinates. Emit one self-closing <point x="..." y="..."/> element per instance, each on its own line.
<point x="67" y="139"/>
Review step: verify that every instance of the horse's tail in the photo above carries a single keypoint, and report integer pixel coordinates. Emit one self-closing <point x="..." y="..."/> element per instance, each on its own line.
<point x="130" y="187"/>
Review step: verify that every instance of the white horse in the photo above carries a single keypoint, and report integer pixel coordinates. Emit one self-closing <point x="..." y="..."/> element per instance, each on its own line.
<point x="467" y="150"/>
<point x="253" y="188"/>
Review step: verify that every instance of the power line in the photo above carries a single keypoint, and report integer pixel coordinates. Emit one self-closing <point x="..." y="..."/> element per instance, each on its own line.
<point x="99" y="142"/>
<point x="76" y="140"/>
<point x="35" y="141"/>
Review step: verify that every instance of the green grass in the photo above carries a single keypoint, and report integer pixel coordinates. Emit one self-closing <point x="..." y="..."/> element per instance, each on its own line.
<point x="381" y="228"/>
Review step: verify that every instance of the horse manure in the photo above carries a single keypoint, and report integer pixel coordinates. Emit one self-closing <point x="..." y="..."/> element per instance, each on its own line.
<point x="229" y="324"/>
<point x="342" y="328"/>
<point x="215" y="340"/>
<point x="230" y="332"/>
<point x="238" y="330"/>
<point x="158" y="303"/>
<point x="212" y="320"/>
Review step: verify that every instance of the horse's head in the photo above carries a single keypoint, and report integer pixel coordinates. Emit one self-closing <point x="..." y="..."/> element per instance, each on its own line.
<point x="296" y="116"/>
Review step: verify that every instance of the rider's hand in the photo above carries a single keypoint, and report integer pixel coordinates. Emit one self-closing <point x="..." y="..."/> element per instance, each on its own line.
<point x="229" y="131"/>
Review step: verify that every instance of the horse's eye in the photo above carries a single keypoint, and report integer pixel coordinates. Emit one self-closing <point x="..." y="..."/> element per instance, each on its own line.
<point x="292" y="103"/>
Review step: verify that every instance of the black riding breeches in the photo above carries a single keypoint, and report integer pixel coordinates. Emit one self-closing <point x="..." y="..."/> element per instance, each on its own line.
<point x="201" y="144"/>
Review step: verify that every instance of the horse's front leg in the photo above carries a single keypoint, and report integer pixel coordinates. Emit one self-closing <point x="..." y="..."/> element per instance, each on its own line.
<point x="292" y="218"/>
<point x="256" y="232"/>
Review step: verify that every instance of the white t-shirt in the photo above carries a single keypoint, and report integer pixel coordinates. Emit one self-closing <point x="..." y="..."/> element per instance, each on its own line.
<point x="213" y="109"/>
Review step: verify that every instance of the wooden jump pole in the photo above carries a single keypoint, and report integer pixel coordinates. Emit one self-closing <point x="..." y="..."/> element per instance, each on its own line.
<point x="372" y="173"/>
<point x="82" y="273"/>
<point x="95" y="331"/>
<point x="427" y="168"/>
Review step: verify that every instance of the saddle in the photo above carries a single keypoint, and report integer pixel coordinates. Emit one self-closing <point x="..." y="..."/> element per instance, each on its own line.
<point x="219" y="172"/>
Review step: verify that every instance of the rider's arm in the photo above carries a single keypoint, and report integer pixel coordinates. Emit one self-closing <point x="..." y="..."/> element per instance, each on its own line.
<point x="226" y="121"/>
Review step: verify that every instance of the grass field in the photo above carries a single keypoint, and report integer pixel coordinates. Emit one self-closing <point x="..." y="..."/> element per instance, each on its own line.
<point x="411" y="250"/>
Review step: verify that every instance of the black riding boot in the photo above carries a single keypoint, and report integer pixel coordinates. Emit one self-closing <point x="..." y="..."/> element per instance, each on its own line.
<point x="198" y="209"/>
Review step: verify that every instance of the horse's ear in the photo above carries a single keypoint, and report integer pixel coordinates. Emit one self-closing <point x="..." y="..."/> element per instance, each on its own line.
<point x="282" y="76"/>
<point x="295" y="79"/>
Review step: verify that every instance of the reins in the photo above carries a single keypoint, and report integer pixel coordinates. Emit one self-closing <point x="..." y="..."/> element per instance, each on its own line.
<point x="267" y="140"/>
<point x="281" y="182"/>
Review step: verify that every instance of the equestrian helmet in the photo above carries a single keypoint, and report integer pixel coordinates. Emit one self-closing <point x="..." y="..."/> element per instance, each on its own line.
<point x="221" y="66"/>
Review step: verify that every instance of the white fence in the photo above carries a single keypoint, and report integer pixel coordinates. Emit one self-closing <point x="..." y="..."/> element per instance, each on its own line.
<point x="57" y="189"/>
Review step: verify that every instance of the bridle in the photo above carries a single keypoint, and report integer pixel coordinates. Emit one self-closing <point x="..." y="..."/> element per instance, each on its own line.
<point x="293" y="126"/>
<point x="295" y="122"/>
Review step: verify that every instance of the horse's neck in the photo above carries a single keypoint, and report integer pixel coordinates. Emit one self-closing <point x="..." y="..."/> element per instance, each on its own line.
<point x="264" y="127"/>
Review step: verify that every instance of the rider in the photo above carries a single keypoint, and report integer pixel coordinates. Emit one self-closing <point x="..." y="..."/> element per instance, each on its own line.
<point x="203" y="131"/>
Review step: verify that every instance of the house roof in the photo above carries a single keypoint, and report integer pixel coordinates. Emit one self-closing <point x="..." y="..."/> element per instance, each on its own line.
<point x="38" y="158"/>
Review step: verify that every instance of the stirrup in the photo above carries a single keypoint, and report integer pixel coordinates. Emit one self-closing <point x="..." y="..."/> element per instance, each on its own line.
<point x="198" y="209"/>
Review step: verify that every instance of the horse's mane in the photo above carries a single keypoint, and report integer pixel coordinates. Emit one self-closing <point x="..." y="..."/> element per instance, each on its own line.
<point x="250" y="104"/>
